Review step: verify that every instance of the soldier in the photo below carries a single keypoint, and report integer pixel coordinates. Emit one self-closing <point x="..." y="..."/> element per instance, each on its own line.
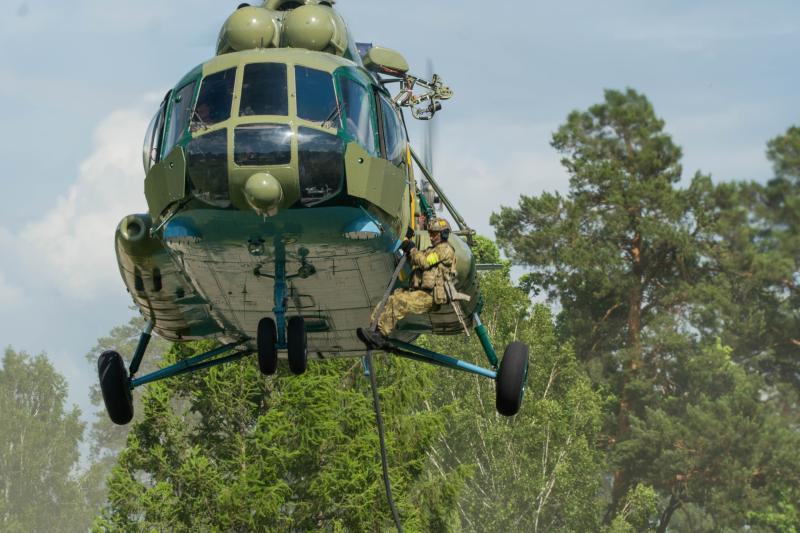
<point x="432" y="268"/>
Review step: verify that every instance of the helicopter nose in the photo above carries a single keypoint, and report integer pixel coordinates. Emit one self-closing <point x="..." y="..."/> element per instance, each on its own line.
<point x="264" y="193"/>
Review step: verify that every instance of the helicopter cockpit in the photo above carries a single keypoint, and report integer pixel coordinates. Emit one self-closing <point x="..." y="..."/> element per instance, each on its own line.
<point x="263" y="114"/>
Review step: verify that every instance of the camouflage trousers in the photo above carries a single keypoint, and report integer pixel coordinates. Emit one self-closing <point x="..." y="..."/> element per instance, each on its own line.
<point x="401" y="303"/>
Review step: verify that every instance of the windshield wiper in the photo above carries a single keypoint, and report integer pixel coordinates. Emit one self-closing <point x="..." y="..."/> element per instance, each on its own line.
<point x="334" y="115"/>
<point x="197" y="121"/>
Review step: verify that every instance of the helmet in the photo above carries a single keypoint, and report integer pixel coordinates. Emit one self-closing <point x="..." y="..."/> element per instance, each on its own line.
<point x="438" y="224"/>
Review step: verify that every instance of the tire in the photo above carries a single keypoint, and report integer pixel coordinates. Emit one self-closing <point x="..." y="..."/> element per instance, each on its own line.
<point x="266" y="339"/>
<point x="511" y="379"/>
<point x="115" y="387"/>
<point x="297" y="345"/>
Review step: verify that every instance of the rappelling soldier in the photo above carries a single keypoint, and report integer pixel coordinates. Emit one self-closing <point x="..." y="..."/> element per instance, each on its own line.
<point x="432" y="269"/>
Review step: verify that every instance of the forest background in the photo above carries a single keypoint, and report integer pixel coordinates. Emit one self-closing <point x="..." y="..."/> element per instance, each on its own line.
<point x="663" y="322"/>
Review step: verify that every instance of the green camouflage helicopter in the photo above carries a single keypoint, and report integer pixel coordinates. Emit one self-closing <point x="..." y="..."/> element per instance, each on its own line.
<point x="280" y="187"/>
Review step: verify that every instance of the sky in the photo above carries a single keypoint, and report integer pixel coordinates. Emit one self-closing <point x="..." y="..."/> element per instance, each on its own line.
<point x="79" y="81"/>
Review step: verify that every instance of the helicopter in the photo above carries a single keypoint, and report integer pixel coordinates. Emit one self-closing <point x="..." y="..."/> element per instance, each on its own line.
<point x="280" y="188"/>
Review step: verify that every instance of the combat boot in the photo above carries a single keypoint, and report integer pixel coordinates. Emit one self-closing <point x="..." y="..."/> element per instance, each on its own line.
<point x="371" y="338"/>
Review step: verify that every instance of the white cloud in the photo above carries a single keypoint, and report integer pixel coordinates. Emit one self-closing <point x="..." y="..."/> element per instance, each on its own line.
<point x="70" y="247"/>
<point x="10" y="294"/>
<point x="482" y="168"/>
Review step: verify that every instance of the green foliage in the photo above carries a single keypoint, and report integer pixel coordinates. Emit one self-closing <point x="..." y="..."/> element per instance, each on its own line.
<point x="638" y="511"/>
<point x="485" y="250"/>
<point x="537" y="471"/>
<point x="247" y="453"/>
<point x="648" y="277"/>
<point x="664" y="396"/>
<point x="39" y="439"/>
<point x="784" y="153"/>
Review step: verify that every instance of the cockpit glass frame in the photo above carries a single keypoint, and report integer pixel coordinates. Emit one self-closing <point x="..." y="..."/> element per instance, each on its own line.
<point x="392" y="132"/>
<point x="265" y="90"/>
<point x="151" y="151"/>
<point x="214" y="100"/>
<point x="316" y="97"/>
<point x="181" y="104"/>
<point x="358" y="107"/>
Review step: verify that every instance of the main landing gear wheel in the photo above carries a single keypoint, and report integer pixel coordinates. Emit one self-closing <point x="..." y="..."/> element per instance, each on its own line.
<point x="266" y="338"/>
<point x="511" y="379"/>
<point x="297" y="345"/>
<point x="115" y="387"/>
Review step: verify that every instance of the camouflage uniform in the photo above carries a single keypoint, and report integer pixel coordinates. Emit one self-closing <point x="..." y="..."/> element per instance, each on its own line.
<point x="431" y="268"/>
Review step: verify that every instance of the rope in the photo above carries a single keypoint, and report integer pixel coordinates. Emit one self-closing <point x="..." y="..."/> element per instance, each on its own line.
<point x="382" y="437"/>
<point x="376" y="400"/>
<point x="373" y="325"/>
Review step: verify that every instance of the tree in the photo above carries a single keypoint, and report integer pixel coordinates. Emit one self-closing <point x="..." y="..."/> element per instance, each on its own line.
<point x="717" y="444"/>
<point x="108" y="439"/>
<point x="39" y="440"/>
<point x="297" y="453"/>
<point x="644" y="274"/>
<point x="617" y="252"/>
<point x="537" y="470"/>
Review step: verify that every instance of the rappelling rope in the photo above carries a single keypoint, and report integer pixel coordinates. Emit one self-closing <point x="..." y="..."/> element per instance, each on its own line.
<point x="376" y="400"/>
<point x="381" y="435"/>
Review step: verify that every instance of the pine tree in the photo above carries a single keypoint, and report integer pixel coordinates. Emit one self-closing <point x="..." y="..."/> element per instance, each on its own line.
<point x="617" y="252"/>
<point x="299" y="453"/>
<point x="642" y="270"/>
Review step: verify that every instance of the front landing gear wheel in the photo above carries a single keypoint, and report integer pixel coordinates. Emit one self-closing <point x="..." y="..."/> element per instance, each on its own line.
<point x="511" y="379"/>
<point x="297" y="345"/>
<point x="115" y="387"/>
<point x="266" y="338"/>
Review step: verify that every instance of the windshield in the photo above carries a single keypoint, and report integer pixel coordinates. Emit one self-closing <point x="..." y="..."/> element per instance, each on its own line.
<point x="264" y="90"/>
<point x="358" y="113"/>
<point x="316" y="99"/>
<point x="152" y="139"/>
<point x="179" y="115"/>
<point x="214" y="101"/>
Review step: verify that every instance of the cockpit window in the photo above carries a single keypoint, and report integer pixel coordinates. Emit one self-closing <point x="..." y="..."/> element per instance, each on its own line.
<point x="358" y="113"/>
<point x="316" y="100"/>
<point x="214" y="102"/>
<point x="264" y="90"/>
<point x="392" y="133"/>
<point x="262" y="144"/>
<point x="152" y="139"/>
<point x="321" y="165"/>
<point x="179" y="115"/>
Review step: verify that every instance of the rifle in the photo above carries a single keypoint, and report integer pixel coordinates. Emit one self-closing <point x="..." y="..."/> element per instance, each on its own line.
<point x="454" y="297"/>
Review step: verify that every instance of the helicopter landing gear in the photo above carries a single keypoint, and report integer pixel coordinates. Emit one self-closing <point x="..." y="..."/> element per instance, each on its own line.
<point x="115" y="386"/>
<point x="511" y="379"/>
<point x="297" y="345"/>
<point x="266" y="342"/>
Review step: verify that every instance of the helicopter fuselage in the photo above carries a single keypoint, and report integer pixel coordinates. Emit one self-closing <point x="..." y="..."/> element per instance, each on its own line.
<point x="279" y="183"/>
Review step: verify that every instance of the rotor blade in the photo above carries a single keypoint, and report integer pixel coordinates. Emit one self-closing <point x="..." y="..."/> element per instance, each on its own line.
<point x="430" y="131"/>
